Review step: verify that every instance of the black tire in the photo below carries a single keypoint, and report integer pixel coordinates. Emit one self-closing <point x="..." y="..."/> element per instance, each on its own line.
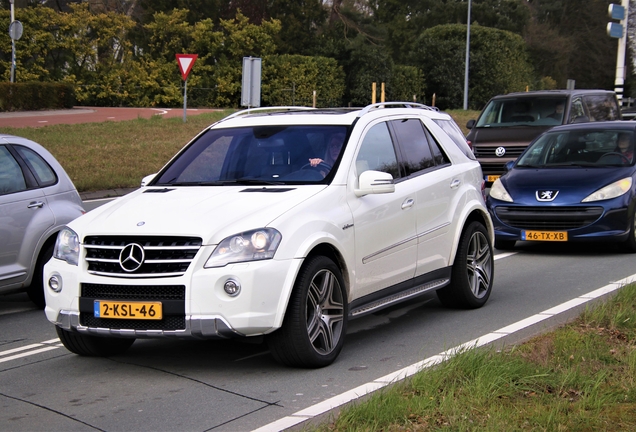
<point x="315" y="323"/>
<point x="504" y="244"/>
<point x="629" y="245"/>
<point x="35" y="291"/>
<point x="473" y="270"/>
<point x="93" y="346"/>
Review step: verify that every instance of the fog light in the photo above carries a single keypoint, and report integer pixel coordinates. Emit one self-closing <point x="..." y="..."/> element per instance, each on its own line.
<point x="232" y="287"/>
<point x="55" y="283"/>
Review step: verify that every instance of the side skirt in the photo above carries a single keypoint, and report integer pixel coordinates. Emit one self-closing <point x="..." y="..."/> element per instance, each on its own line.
<point x="401" y="292"/>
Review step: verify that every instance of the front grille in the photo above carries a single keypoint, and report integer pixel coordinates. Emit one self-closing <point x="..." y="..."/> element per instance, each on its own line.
<point x="512" y="151"/>
<point x="548" y="218"/>
<point x="134" y="292"/>
<point x="172" y="298"/>
<point x="162" y="256"/>
<point x="492" y="168"/>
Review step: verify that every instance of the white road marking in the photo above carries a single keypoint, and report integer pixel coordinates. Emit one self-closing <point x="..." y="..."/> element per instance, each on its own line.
<point x="41" y="347"/>
<point x="399" y="375"/>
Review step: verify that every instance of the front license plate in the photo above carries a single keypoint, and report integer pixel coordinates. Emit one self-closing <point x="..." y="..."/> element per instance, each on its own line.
<point x="544" y="235"/>
<point x="127" y="310"/>
<point x="492" y="178"/>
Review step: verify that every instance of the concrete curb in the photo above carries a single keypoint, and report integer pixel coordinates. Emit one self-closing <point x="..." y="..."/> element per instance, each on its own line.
<point x="109" y="193"/>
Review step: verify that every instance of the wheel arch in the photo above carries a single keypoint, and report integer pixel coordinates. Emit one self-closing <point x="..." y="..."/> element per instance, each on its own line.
<point x="474" y="214"/>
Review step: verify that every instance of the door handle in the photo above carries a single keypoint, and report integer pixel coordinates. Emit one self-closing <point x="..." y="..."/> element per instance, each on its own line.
<point x="34" y="204"/>
<point x="455" y="184"/>
<point x="408" y="203"/>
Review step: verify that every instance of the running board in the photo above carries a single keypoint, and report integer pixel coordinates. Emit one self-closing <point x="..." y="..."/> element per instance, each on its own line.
<point x="397" y="298"/>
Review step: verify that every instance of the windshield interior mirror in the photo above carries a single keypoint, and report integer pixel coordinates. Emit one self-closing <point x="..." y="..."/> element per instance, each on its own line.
<point x="375" y="182"/>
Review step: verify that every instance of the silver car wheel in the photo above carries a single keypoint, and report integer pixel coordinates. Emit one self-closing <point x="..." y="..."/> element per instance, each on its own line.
<point x="479" y="264"/>
<point x="325" y="312"/>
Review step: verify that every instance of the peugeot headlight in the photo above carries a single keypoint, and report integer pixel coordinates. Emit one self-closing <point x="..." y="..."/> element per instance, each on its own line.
<point x="255" y="245"/>
<point x="499" y="192"/>
<point x="67" y="246"/>
<point x="613" y="190"/>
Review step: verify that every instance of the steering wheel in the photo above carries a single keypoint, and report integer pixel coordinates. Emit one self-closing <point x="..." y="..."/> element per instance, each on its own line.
<point x="615" y="154"/>
<point x="321" y="165"/>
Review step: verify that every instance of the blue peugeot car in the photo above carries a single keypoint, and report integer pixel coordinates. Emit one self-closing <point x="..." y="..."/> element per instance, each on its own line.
<point x="573" y="183"/>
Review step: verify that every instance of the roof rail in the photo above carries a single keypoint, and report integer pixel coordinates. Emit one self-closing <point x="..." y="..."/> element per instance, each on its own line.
<point x="273" y="108"/>
<point x="403" y="104"/>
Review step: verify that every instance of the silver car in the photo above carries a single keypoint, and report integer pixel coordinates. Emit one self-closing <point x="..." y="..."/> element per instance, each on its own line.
<point x="37" y="198"/>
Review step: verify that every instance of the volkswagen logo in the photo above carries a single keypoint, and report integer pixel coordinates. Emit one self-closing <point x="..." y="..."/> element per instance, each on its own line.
<point x="547" y="195"/>
<point x="500" y="151"/>
<point x="131" y="257"/>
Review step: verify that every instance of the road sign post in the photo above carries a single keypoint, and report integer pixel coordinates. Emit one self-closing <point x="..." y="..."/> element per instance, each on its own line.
<point x="251" y="85"/>
<point x="619" y="31"/>
<point x="185" y="61"/>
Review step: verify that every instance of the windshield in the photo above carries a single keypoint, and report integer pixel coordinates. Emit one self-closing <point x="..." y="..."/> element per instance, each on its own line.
<point x="257" y="155"/>
<point x="589" y="148"/>
<point x="523" y="111"/>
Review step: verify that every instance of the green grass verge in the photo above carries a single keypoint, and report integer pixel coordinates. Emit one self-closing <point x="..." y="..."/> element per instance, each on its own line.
<point x="580" y="377"/>
<point x="99" y="156"/>
<point x="110" y="155"/>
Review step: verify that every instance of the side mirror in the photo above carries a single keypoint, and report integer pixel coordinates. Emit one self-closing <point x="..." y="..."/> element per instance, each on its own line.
<point x="374" y="182"/>
<point x="147" y="179"/>
<point x="508" y="166"/>
<point x="470" y="124"/>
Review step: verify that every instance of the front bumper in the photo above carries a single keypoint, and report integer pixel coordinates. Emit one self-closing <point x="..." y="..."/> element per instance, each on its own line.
<point x="200" y="309"/>
<point x="585" y="222"/>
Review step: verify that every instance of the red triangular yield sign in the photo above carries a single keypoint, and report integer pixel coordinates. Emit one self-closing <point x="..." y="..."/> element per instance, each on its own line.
<point x="186" y="61"/>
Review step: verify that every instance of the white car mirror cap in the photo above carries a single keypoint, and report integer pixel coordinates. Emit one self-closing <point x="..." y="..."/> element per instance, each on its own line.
<point x="147" y="179"/>
<point x="375" y="182"/>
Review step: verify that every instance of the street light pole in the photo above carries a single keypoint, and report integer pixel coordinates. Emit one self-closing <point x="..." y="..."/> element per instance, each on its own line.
<point x="12" y="45"/>
<point x="467" y="58"/>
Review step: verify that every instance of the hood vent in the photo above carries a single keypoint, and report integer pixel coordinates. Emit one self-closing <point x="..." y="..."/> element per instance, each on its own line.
<point x="264" y="189"/>
<point x="158" y="190"/>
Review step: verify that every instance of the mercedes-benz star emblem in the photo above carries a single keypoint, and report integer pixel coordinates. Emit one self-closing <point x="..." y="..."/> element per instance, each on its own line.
<point x="547" y="195"/>
<point x="131" y="257"/>
<point x="500" y="151"/>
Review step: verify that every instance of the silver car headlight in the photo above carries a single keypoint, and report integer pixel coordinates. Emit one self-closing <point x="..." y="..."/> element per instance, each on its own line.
<point x="499" y="192"/>
<point x="610" y="191"/>
<point x="67" y="246"/>
<point x="255" y="245"/>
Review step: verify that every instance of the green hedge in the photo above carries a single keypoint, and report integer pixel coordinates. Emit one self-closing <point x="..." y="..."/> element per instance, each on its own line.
<point x="32" y="96"/>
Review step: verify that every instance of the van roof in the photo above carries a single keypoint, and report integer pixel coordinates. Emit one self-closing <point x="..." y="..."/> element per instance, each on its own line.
<point x="562" y="92"/>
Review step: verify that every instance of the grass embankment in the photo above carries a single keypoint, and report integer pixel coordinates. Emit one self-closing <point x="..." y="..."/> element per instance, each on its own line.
<point x="112" y="155"/>
<point x="580" y="377"/>
<point x="99" y="156"/>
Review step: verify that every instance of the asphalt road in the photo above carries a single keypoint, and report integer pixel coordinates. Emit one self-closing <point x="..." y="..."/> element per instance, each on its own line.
<point x="165" y="385"/>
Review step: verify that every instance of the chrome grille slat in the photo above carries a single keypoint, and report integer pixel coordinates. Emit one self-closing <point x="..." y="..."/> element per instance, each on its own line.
<point x="165" y="256"/>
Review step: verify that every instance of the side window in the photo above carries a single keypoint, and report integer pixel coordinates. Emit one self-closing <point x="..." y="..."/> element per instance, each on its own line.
<point x="41" y="170"/>
<point x="577" y="111"/>
<point x="438" y="154"/>
<point x="414" y="146"/>
<point x="377" y="152"/>
<point x="11" y="177"/>
<point x="455" y="133"/>
<point x="601" y="107"/>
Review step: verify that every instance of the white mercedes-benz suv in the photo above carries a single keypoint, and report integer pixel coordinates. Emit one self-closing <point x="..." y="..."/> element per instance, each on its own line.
<point x="284" y="223"/>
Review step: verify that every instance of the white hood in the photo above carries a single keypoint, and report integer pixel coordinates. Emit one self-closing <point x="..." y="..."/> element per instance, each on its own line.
<point x="209" y="212"/>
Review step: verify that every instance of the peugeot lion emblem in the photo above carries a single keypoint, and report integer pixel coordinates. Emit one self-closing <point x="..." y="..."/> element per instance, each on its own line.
<point x="500" y="151"/>
<point x="547" y="195"/>
<point x="131" y="257"/>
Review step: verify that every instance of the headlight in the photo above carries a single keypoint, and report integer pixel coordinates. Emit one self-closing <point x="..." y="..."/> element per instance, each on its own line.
<point x="67" y="246"/>
<point x="613" y="190"/>
<point x="259" y="244"/>
<point x="499" y="192"/>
